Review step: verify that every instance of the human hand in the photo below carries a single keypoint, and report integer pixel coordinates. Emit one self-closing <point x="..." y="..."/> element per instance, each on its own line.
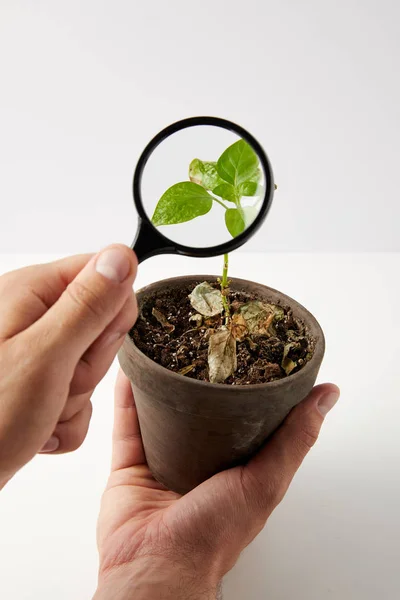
<point x="61" y="325"/>
<point x="153" y="543"/>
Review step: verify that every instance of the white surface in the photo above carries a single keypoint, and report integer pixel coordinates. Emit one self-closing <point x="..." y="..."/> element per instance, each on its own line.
<point x="85" y="85"/>
<point x="336" y="536"/>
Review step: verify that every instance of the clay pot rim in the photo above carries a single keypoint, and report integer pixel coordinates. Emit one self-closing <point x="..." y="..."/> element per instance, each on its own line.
<point x="196" y="383"/>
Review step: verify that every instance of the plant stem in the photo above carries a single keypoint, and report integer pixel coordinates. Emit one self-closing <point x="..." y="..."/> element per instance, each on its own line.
<point x="224" y="285"/>
<point x="221" y="203"/>
<point x="239" y="207"/>
<point x="224" y="282"/>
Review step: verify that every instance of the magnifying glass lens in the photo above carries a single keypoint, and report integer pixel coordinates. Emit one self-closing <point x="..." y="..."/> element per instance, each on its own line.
<point x="202" y="186"/>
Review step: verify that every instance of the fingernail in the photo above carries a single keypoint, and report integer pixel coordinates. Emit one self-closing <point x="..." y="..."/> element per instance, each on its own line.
<point x="113" y="264"/>
<point x="51" y="445"/>
<point x="327" y="402"/>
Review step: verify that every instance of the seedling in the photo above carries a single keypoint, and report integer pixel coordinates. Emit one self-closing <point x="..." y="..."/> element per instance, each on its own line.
<point x="235" y="176"/>
<point x="229" y="183"/>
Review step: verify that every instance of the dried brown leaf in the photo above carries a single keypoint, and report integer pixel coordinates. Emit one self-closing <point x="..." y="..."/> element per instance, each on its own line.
<point x="287" y="363"/>
<point x="206" y="300"/>
<point x="186" y="370"/>
<point x="236" y="305"/>
<point x="222" y="361"/>
<point x="162" y="319"/>
<point x="260" y="317"/>
<point x="239" y="327"/>
<point x="197" y="319"/>
<point x="252" y="345"/>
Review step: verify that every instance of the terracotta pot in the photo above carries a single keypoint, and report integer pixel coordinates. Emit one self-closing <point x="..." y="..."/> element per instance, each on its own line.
<point x="192" y="429"/>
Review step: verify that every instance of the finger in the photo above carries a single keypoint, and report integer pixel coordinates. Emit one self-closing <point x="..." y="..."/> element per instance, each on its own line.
<point x="95" y="363"/>
<point x="74" y="405"/>
<point x="87" y="306"/>
<point x="69" y="436"/>
<point x="127" y="441"/>
<point x="267" y="476"/>
<point x="26" y="294"/>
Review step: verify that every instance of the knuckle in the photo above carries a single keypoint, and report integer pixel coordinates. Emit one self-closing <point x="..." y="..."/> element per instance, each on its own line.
<point x="261" y="496"/>
<point x="72" y="434"/>
<point x="86" y="377"/>
<point x="307" y="436"/>
<point x="85" y="298"/>
<point x="128" y="321"/>
<point x="75" y="442"/>
<point x="129" y="313"/>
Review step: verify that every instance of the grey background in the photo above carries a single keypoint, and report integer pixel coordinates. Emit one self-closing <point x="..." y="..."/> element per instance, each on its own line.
<point x="84" y="85"/>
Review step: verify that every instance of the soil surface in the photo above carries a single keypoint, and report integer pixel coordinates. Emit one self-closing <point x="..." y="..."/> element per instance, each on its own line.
<point x="182" y="346"/>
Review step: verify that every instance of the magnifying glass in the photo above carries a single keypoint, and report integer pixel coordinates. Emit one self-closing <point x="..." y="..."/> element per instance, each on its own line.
<point x="202" y="187"/>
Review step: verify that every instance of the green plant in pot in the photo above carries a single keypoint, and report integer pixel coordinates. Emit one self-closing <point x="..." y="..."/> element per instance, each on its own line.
<point x="215" y="364"/>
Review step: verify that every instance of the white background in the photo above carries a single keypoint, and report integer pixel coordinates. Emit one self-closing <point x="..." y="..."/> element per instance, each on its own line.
<point x="84" y="85"/>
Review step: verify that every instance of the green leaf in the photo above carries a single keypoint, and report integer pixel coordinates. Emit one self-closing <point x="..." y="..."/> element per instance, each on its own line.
<point x="180" y="203"/>
<point x="226" y="191"/>
<point x="237" y="220"/>
<point x="249" y="187"/>
<point x="234" y="222"/>
<point x="204" y="174"/>
<point x="239" y="163"/>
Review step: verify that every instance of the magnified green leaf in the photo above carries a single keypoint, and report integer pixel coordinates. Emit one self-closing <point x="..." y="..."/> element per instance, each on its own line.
<point x="234" y="222"/>
<point x="204" y="174"/>
<point x="237" y="220"/>
<point x="249" y="187"/>
<point x="225" y="191"/>
<point x="180" y="203"/>
<point x="239" y="163"/>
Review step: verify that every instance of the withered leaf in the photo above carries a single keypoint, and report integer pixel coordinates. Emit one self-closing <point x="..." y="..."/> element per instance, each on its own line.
<point x="222" y="361"/>
<point x="287" y="363"/>
<point x="253" y="346"/>
<point x="260" y="317"/>
<point x="186" y="370"/>
<point x="235" y="305"/>
<point x="206" y="300"/>
<point x="214" y="322"/>
<point x="239" y="327"/>
<point x="197" y="319"/>
<point x="162" y="319"/>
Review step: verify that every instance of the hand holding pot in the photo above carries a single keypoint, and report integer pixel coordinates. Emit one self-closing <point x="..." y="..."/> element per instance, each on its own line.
<point x="61" y="325"/>
<point x="156" y="543"/>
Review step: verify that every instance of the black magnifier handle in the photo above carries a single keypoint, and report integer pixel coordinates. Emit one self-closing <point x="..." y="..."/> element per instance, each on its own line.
<point x="148" y="242"/>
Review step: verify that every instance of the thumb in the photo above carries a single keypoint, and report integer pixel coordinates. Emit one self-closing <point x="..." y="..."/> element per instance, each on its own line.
<point x="268" y="475"/>
<point x="88" y="304"/>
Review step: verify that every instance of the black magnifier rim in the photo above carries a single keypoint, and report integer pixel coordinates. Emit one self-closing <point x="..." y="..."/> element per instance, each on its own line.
<point x="234" y="243"/>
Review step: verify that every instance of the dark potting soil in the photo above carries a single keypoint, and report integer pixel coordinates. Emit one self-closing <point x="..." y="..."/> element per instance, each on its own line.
<point x="179" y="345"/>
